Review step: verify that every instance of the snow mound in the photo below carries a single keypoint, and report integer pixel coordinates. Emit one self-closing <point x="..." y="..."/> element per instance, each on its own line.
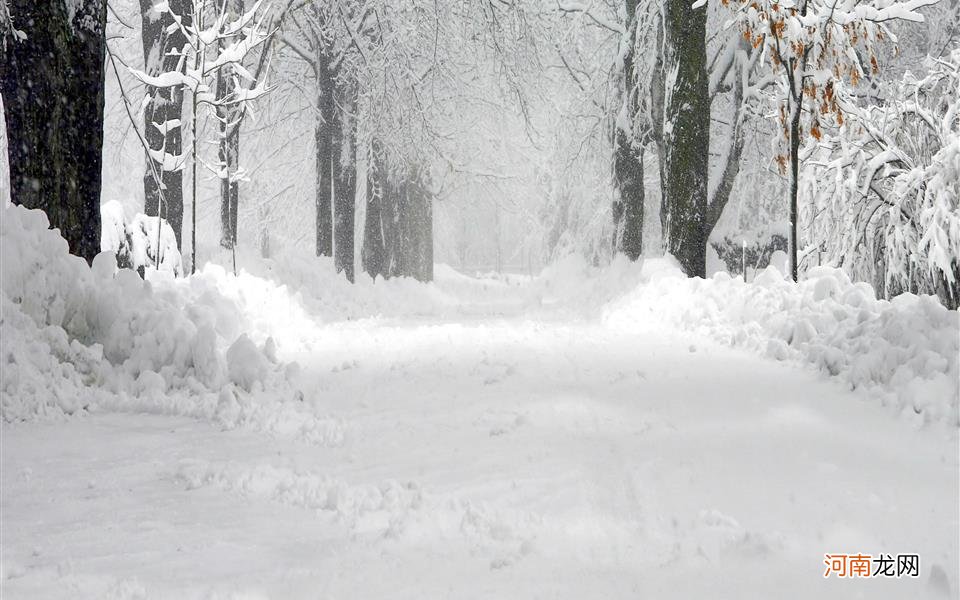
<point x="317" y="288"/>
<point x="903" y="351"/>
<point x="78" y="338"/>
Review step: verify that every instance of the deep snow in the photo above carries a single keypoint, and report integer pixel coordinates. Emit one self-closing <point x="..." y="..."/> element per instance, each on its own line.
<point x="583" y="434"/>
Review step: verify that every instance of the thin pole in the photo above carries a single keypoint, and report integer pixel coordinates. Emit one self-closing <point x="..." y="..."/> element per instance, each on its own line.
<point x="198" y="25"/>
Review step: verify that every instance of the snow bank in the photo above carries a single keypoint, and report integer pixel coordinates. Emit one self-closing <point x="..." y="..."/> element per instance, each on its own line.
<point x="78" y="338"/>
<point x="328" y="297"/>
<point x="212" y="345"/>
<point x="903" y="352"/>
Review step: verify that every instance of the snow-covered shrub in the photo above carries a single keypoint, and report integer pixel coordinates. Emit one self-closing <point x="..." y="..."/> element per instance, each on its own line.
<point x="881" y="190"/>
<point x="755" y="254"/>
<point x="139" y="241"/>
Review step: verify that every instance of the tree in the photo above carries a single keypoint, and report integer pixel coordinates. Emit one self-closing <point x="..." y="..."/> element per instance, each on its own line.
<point x="684" y="134"/>
<point x="629" y="141"/>
<point x="53" y="90"/>
<point x="344" y="170"/>
<point x="229" y="116"/>
<point x="882" y="191"/>
<point x="318" y="41"/>
<point x="324" y="129"/>
<point x="373" y="253"/>
<point x="401" y="224"/>
<point x="211" y="49"/>
<point x="163" y="51"/>
<point x="814" y="46"/>
<point x="661" y="69"/>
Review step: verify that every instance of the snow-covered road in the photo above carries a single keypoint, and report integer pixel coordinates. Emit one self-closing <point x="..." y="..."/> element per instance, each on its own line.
<point x="508" y="455"/>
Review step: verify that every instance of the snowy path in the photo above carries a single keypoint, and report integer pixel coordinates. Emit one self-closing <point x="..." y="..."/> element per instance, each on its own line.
<point x="505" y="456"/>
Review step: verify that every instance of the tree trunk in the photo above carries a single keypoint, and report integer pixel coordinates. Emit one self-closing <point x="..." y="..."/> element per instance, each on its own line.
<point x="686" y="136"/>
<point x="162" y="52"/>
<point x="390" y="211"/>
<point x="417" y="226"/>
<point x="398" y="240"/>
<point x="628" y="157"/>
<point x="345" y="181"/>
<point x="229" y="118"/>
<point x="794" y="182"/>
<point x="731" y="166"/>
<point x="53" y="91"/>
<point x="372" y="256"/>
<point x="323" y="138"/>
<point x="628" y="207"/>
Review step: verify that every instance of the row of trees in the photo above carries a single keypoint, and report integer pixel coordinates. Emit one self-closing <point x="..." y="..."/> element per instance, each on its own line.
<point x="793" y="59"/>
<point x="400" y="97"/>
<point x="205" y="59"/>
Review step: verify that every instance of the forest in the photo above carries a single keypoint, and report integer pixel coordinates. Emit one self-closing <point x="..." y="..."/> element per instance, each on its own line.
<point x="479" y="298"/>
<point x="603" y="128"/>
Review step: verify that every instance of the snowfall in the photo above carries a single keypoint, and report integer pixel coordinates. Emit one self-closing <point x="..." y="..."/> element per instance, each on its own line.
<point x="614" y="432"/>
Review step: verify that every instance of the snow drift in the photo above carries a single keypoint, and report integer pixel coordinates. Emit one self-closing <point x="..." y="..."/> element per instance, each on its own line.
<point x="212" y="345"/>
<point x="903" y="352"/>
<point x="78" y="338"/>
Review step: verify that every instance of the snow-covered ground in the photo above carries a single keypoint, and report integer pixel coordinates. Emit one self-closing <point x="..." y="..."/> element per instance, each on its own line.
<point x="622" y="433"/>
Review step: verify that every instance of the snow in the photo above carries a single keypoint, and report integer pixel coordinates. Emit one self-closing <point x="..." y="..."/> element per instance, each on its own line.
<point x="77" y="339"/>
<point x="139" y="240"/>
<point x="599" y="433"/>
<point x="904" y="352"/>
<point x="246" y="364"/>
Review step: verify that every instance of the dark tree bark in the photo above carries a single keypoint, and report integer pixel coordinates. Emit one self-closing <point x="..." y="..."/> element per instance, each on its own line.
<point x="628" y="159"/>
<point x="794" y="183"/>
<point x="686" y="136"/>
<point x="162" y="52"/>
<point x="628" y="207"/>
<point x="390" y="213"/>
<point x="423" y="219"/>
<point x="53" y="90"/>
<point x="323" y="137"/>
<point x="373" y="253"/>
<point x="345" y="180"/>
<point x="398" y="231"/>
<point x="416" y="226"/>
<point x="229" y="116"/>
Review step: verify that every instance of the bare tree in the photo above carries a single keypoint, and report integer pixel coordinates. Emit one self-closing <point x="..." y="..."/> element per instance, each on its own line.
<point x="163" y="51"/>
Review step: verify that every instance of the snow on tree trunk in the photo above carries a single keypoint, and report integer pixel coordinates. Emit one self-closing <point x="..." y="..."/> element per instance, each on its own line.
<point x="686" y="135"/>
<point x="53" y="91"/>
<point x="163" y="46"/>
